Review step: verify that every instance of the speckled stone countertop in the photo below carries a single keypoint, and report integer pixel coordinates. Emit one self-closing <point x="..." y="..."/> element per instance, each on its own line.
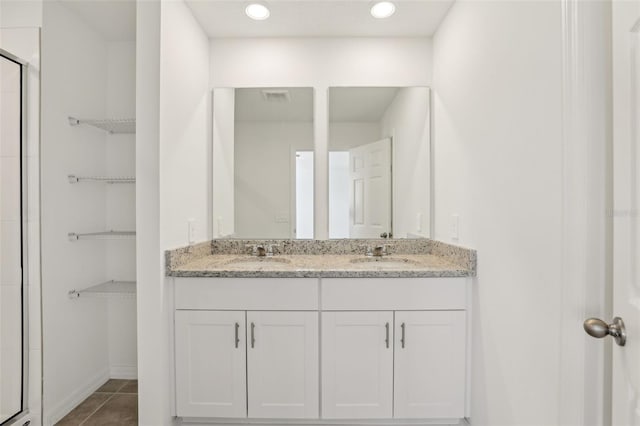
<point x="322" y="259"/>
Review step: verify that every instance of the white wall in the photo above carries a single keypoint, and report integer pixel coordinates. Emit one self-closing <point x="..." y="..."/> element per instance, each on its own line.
<point x="21" y="13"/>
<point x="264" y="175"/>
<point x="185" y="113"/>
<point x="321" y="63"/>
<point x="120" y="208"/>
<point x="223" y="162"/>
<point x="74" y="331"/>
<point x="407" y="121"/>
<point x="154" y="402"/>
<point x="498" y="129"/>
<point x="172" y="163"/>
<point x="344" y="136"/>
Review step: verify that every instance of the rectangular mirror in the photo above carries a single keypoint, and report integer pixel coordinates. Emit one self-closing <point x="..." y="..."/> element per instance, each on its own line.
<point x="263" y="157"/>
<point x="379" y="162"/>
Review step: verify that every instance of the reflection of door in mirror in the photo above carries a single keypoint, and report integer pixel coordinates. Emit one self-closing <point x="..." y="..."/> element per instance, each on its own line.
<point x="365" y="199"/>
<point x="260" y="186"/>
<point x="370" y="190"/>
<point x="303" y="195"/>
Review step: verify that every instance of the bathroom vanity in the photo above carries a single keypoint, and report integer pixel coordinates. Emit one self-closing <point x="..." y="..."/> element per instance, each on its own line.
<point x="331" y="336"/>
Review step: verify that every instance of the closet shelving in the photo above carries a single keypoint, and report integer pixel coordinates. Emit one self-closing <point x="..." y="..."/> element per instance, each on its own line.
<point x="105" y="179"/>
<point x="112" y="288"/>
<point x="111" y="126"/>
<point x="105" y="235"/>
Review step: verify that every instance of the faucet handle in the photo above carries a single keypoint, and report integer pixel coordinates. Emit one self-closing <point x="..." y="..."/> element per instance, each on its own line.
<point x="256" y="249"/>
<point x="382" y="249"/>
<point x="270" y="248"/>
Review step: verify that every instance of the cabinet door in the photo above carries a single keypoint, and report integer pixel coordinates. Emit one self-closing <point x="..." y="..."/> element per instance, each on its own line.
<point x="357" y="365"/>
<point x="210" y="364"/>
<point x="283" y="365"/>
<point x="430" y="367"/>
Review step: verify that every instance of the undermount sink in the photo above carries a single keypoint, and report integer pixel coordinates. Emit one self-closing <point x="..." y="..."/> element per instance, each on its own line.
<point x="257" y="261"/>
<point x="383" y="262"/>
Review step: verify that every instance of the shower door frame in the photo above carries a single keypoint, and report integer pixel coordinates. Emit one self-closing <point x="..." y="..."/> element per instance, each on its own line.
<point x="24" y="288"/>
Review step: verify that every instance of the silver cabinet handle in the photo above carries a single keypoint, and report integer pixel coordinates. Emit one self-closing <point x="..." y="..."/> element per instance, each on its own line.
<point x="386" y="340"/>
<point x="597" y="328"/>
<point x="237" y="334"/>
<point x="253" y="335"/>
<point x="402" y="339"/>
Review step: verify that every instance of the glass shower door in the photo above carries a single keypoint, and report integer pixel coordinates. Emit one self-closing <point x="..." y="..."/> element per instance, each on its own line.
<point x="12" y="282"/>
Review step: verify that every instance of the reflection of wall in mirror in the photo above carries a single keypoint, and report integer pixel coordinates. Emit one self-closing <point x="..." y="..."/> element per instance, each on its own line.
<point x="407" y="121"/>
<point x="223" y="159"/>
<point x="263" y="176"/>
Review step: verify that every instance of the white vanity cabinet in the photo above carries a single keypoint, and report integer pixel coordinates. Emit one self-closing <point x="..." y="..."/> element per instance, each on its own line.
<point x="369" y="374"/>
<point x="360" y="348"/>
<point x="419" y="372"/>
<point x="210" y="355"/>
<point x="247" y="348"/>
<point x="282" y="365"/>
<point x="429" y="364"/>
<point x="357" y="365"/>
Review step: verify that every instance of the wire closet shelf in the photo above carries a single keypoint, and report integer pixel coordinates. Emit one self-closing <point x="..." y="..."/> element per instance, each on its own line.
<point x="105" y="179"/>
<point x="111" y="126"/>
<point x="107" y="289"/>
<point x="106" y="235"/>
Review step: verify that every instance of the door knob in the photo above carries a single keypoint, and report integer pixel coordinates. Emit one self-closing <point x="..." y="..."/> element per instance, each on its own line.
<point x="597" y="328"/>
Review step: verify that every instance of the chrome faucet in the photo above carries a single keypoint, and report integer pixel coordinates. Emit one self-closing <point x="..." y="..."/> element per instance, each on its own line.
<point x="261" y="250"/>
<point x="378" y="251"/>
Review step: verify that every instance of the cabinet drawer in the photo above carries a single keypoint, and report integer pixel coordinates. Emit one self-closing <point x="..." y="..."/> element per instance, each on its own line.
<point x="265" y="294"/>
<point x="357" y="294"/>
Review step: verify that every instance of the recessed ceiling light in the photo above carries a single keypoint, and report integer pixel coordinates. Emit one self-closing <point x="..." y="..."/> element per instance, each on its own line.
<point x="383" y="9"/>
<point x="257" y="11"/>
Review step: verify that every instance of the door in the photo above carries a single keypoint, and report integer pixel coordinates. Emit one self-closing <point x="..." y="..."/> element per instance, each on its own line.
<point x="282" y="357"/>
<point x="626" y="219"/>
<point x="370" y="190"/>
<point x="13" y="267"/>
<point x="357" y="365"/>
<point x="210" y="364"/>
<point x="429" y="364"/>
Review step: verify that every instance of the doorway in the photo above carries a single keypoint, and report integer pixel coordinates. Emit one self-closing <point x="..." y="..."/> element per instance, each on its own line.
<point x="13" y="247"/>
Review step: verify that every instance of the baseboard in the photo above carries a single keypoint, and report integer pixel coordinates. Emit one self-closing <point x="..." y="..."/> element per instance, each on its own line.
<point x="280" y="422"/>
<point x="76" y="397"/>
<point x="128" y="372"/>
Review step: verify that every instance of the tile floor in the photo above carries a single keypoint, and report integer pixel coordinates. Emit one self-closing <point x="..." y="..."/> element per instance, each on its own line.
<point x="115" y="403"/>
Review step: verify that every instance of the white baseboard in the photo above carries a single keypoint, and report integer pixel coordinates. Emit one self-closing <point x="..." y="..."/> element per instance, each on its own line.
<point x="281" y="422"/>
<point x="72" y="400"/>
<point x="128" y="372"/>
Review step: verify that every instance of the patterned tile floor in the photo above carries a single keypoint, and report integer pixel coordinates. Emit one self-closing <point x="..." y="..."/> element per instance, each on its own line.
<point x="115" y="403"/>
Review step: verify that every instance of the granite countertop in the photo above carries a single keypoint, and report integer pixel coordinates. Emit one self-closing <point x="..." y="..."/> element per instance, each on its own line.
<point x="335" y="259"/>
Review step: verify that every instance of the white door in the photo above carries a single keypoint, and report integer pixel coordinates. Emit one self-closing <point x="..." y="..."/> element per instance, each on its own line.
<point x="357" y="365"/>
<point x="626" y="222"/>
<point x="429" y="364"/>
<point x="370" y="190"/>
<point x="282" y="357"/>
<point x="210" y="364"/>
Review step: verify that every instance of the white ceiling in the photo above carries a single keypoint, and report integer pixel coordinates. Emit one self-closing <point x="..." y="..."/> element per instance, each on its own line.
<point x="250" y="106"/>
<point x="114" y="20"/>
<point x="319" y="18"/>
